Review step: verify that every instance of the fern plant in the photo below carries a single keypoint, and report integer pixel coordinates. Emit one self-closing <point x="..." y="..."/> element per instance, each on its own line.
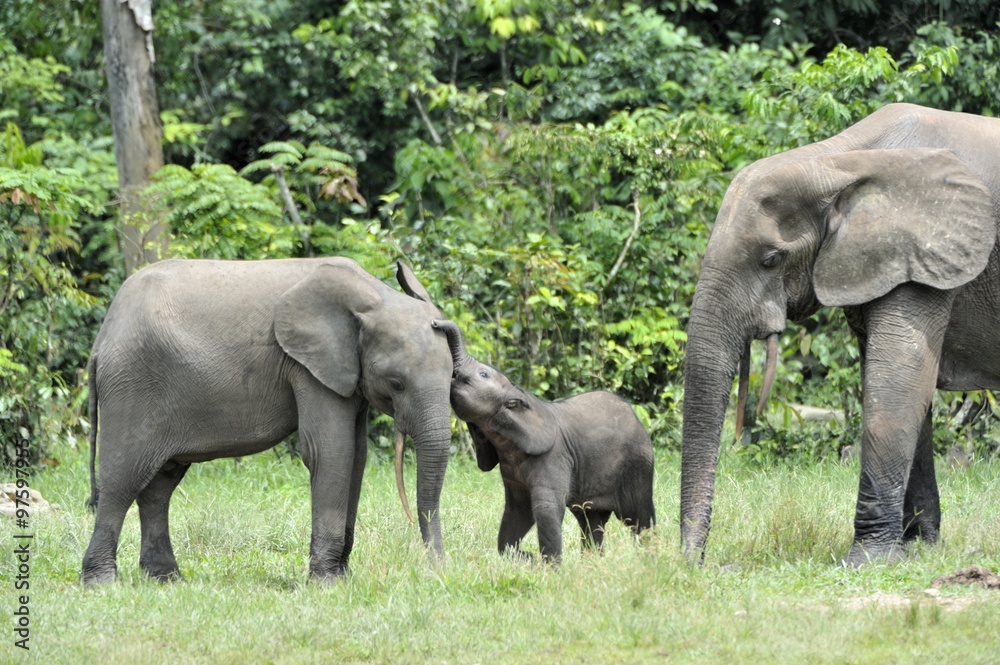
<point x="317" y="172"/>
<point x="215" y="213"/>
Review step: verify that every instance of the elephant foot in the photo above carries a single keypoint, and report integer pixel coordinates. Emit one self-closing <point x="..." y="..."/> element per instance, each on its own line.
<point x="161" y="566"/>
<point x="926" y="530"/>
<point x="93" y="576"/>
<point x="328" y="578"/>
<point x="164" y="575"/>
<point x="328" y="559"/>
<point x="517" y="554"/>
<point x="862" y="554"/>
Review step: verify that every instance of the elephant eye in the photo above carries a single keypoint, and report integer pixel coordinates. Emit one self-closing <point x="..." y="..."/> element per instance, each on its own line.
<point x="396" y="384"/>
<point x="483" y="374"/>
<point x="513" y="404"/>
<point x="771" y="260"/>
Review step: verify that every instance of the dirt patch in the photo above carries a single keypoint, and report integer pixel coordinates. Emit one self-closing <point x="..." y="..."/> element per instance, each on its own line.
<point x="969" y="576"/>
<point x="892" y="601"/>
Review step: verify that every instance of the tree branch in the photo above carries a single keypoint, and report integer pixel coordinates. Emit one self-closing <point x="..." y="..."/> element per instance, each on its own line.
<point x="290" y="208"/>
<point x="427" y="121"/>
<point x="628" y="241"/>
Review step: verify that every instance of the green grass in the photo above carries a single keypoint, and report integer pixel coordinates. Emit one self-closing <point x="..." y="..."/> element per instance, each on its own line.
<point x="769" y="592"/>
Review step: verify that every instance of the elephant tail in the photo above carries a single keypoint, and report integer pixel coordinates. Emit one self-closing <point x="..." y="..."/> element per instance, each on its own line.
<point x="92" y="389"/>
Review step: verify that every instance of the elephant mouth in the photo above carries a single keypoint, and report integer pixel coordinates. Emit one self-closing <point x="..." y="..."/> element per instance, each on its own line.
<point x="460" y="403"/>
<point x="770" y="365"/>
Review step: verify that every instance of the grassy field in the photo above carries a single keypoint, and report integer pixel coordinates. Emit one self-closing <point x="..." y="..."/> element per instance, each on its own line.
<point x="770" y="591"/>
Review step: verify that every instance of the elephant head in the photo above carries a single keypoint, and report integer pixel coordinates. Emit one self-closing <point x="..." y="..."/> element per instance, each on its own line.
<point x="486" y="399"/>
<point x="356" y="335"/>
<point x="818" y="225"/>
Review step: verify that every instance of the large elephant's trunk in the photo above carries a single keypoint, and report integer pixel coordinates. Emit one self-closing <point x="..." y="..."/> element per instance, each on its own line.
<point x="433" y="446"/>
<point x="714" y="350"/>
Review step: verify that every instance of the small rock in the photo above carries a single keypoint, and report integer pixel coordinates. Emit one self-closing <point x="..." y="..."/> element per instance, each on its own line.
<point x="8" y="503"/>
<point x="933" y="593"/>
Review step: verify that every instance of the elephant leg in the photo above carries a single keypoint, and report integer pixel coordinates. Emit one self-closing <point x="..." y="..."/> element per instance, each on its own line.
<point x="328" y="445"/>
<point x="548" y="510"/>
<point x="922" y="505"/>
<point x="119" y="488"/>
<point x="635" y="499"/>
<point x="360" y="458"/>
<point x="517" y="520"/>
<point x="905" y="330"/>
<point x="638" y="519"/>
<point x="591" y="526"/>
<point x="99" y="561"/>
<point x="156" y="555"/>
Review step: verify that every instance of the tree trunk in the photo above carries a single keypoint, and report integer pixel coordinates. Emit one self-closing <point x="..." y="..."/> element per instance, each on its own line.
<point x="135" y="118"/>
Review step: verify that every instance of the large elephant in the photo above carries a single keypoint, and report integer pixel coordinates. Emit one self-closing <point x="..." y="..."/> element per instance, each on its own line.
<point x="588" y="452"/>
<point x="895" y="220"/>
<point x="198" y="360"/>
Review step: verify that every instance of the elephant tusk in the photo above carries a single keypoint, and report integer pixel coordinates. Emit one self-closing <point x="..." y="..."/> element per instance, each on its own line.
<point x="769" y="366"/>
<point x="741" y="392"/>
<point x="400" y="485"/>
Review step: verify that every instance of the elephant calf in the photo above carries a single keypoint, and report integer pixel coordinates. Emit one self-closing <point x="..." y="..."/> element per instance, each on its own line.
<point x="588" y="453"/>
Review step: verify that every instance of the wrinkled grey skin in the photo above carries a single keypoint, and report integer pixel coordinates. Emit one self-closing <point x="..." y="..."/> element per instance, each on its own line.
<point x="588" y="453"/>
<point x="894" y="220"/>
<point x="198" y="360"/>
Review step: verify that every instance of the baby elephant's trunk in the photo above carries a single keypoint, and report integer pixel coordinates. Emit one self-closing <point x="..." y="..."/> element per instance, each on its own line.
<point x="459" y="356"/>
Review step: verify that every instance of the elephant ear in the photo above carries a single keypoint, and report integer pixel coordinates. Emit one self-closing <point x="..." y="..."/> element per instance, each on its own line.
<point x="904" y="215"/>
<point x="316" y="323"/>
<point x="412" y="286"/>
<point x="486" y="454"/>
<point x="521" y="422"/>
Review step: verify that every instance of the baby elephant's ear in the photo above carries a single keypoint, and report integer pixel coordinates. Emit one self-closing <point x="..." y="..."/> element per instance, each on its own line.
<point x="521" y="423"/>
<point x="486" y="454"/>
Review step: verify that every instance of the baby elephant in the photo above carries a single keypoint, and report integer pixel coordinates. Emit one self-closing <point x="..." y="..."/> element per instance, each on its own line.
<point x="588" y="453"/>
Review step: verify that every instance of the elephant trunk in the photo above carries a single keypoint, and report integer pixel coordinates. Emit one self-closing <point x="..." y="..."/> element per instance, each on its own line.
<point x="459" y="356"/>
<point x="433" y="446"/>
<point x="432" y="442"/>
<point x="714" y="350"/>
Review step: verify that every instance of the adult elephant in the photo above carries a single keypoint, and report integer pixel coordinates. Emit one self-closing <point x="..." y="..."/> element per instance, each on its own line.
<point x="198" y="360"/>
<point x="895" y="220"/>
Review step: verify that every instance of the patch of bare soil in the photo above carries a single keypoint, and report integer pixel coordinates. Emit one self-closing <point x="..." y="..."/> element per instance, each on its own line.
<point x="969" y="576"/>
<point x="890" y="601"/>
